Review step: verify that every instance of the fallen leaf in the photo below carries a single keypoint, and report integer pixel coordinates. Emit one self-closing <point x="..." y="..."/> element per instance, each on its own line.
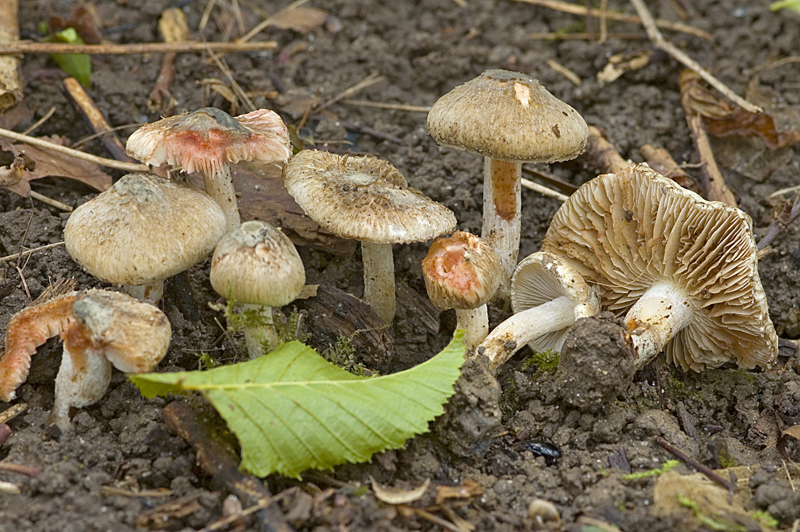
<point x="621" y="63"/>
<point x="31" y="162"/>
<point x="301" y="19"/>
<point x="399" y="495"/>
<point x="793" y="431"/>
<point x="468" y="489"/>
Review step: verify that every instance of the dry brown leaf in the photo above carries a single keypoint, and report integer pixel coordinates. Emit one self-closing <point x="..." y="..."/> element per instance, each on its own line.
<point x="399" y="495"/>
<point x="302" y="19"/>
<point x="468" y="489"/>
<point x="723" y="119"/>
<point x="793" y="431"/>
<point x="31" y="162"/>
<point x="621" y="63"/>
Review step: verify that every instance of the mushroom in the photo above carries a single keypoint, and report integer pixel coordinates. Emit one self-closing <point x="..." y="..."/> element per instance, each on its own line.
<point x="143" y="230"/>
<point x="99" y="328"/>
<point x="366" y="199"/>
<point x="207" y="140"/>
<point x="258" y="266"/>
<point x="462" y="272"/>
<point x="683" y="270"/>
<point x="509" y="118"/>
<point x="547" y="296"/>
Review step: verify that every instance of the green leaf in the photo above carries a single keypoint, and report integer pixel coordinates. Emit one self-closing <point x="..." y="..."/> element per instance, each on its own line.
<point x="79" y="66"/>
<point x="292" y="410"/>
<point x="794" y="5"/>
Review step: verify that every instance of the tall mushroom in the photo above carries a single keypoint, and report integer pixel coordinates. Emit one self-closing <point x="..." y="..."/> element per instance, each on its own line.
<point x="366" y="199"/>
<point x="259" y="267"/>
<point x="509" y="118"/>
<point x="143" y="230"/>
<point x="683" y="270"/>
<point x="462" y="272"/>
<point x="207" y="140"/>
<point x="547" y="296"/>
<point x="99" y="328"/>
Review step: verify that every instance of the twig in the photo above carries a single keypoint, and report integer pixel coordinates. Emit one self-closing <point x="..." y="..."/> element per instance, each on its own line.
<point x="713" y="181"/>
<point x="50" y="201"/>
<point x="550" y="179"/>
<point x="28" y="471"/>
<point x="382" y="105"/>
<point x="685" y="458"/>
<point x="564" y="71"/>
<point x="234" y="84"/>
<point x="662" y="162"/>
<point x="13" y="411"/>
<point x="660" y="42"/>
<point x="10" y="77"/>
<point x="582" y="36"/>
<point x="783" y="191"/>
<point x="603" y="21"/>
<point x="136" y="48"/>
<point x="225" y="521"/>
<point x="543" y="190"/>
<point x="9" y="258"/>
<point x="97" y="122"/>
<point x="780" y="223"/>
<point x="109" y="163"/>
<point x="41" y="121"/>
<point x="603" y="154"/>
<point x="266" y="22"/>
<point x="372" y="79"/>
<point x="581" y="10"/>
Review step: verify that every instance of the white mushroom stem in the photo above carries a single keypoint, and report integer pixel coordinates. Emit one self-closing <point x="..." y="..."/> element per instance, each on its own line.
<point x="502" y="199"/>
<point x="655" y="318"/>
<point x="82" y="379"/>
<point x="219" y="185"/>
<point x="514" y="333"/>
<point x="379" y="279"/>
<point x="260" y="335"/>
<point x="147" y="293"/>
<point x="475" y="323"/>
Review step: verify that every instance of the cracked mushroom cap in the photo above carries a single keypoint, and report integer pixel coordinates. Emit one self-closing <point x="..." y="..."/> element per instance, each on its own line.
<point x="363" y="198"/>
<point x="134" y="336"/>
<point x="543" y="277"/>
<point x="461" y="272"/>
<point x="208" y="139"/>
<point x="508" y="116"/>
<point x="258" y="265"/>
<point x="626" y="232"/>
<point x="143" y="229"/>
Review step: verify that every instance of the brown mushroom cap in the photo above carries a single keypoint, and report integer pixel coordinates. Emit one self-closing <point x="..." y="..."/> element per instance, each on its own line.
<point x="363" y="198"/>
<point x="461" y="272"/>
<point x="208" y="138"/>
<point x="259" y="265"/>
<point x="143" y="229"/>
<point x="626" y="232"/>
<point x="508" y="116"/>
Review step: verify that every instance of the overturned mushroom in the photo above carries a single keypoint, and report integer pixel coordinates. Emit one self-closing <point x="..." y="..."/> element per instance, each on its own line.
<point x="509" y="118"/>
<point x="99" y="328"/>
<point x="143" y="230"/>
<point x="366" y="199"/>
<point x="207" y="140"/>
<point x="683" y="270"/>
<point x="462" y="272"/>
<point x="547" y="296"/>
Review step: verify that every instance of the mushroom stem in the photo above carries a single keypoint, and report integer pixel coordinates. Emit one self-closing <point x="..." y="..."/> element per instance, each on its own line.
<point x="259" y="334"/>
<point x="82" y="378"/>
<point x="475" y="323"/>
<point x="379" y="279"/>
<point x="655" y="318"/>
<point x="514" y="333"/>
<point x="502" y="199"/>
<point x="147" y="293"/>
<point x="219" y="185"/>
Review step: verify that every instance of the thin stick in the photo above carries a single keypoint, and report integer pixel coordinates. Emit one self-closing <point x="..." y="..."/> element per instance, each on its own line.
<point x="109" y="163"/>
<point x="28" y="471"/>
<point x="685" y="458"/>
<point x="783" y="191"/>
<point x="372" y="79"/>
<point x="225" y="521"/>
<point x="50" y="201"/>
<point x="603" y="154"/>
<point x="714" y="182"/>
<point x="13" y="411"/>
<point x="660" y="42"/>
<point x="603" y="21"/>
<point x="266" y="22"/>
<point x="564" y="71"/>
<point x="779" y="224"/>
<point x="543" y="190"/>
<point x="581" y="10"/>
<point x="583" y="36"/>
<point x="9" y="258"/>
<point x="39" y="122"/>
<point x="136" y="48"/>
<point x="10" y="77"/>
<point x="237" y="89"/>
<point x="395" y="106"/>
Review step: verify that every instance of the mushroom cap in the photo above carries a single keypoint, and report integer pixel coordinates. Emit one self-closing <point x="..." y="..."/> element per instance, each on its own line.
<point x="461" y="272"/>
<point x="508" y="116"/>
<point x="143" y="229"/>
<point x="542" y="277"/>
<point x="363" y="198"/>
<point x="624" y="232"/>
<point x="134" y="336"/>
<point x="257" y="264"/>
<point x="208" y="139"/>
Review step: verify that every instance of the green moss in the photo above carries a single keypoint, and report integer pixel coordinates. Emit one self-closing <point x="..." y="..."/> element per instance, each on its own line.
<point x="342" y="353"/>
<point x="669" y="464"/>
<point x="206" y="361"/>
<point x="763" y="517"/>
<point x="546" y="361"/>
<point x="708" y="521"/>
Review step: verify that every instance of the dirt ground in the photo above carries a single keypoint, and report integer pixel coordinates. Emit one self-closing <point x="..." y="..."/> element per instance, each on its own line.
<point x="724" y="417"/>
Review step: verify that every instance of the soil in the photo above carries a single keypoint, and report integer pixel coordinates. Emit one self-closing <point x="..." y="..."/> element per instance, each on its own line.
<point x="534" y="442"/>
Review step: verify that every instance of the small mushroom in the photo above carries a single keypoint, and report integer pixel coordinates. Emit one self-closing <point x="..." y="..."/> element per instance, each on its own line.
<point x="259" y="267"/>
<point x="207" y="140"/>
<point x="462" y="272"/>
<point x="143" y="230"/>
<point x="509" y="118"/>
<point x="366" y="199"/>
<point x="99" y="328"/>
<point x="547" y="296"/>
<point x="681" y="269"/>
